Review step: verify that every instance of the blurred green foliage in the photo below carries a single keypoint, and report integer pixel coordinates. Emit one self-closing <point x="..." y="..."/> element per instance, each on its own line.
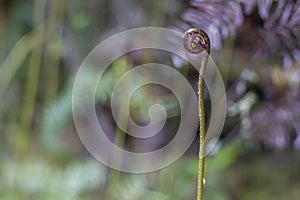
<point x="42" y="43"/>
<point x="38" y="179"/>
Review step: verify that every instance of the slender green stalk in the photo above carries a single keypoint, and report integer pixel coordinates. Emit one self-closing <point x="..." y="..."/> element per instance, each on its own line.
<point x="17" y="55"/>
<point x="32" y="79"/>
<point x="202" y="127"/>
<point x="2" y="30"/>
<point x="54" y="32"/>
<point x="114" y="177"/>
<point x="194" y="41"/>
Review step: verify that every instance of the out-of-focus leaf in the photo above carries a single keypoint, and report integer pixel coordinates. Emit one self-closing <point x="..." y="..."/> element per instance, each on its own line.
<point x="37" y="178"/>
<point x="55" y="117"/>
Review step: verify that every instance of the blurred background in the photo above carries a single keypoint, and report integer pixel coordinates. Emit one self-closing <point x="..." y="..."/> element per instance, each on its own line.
<point x="256" y="45"/>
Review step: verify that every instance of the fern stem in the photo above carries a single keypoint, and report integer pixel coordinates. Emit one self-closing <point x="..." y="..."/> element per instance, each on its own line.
<point x="202" y="127"/>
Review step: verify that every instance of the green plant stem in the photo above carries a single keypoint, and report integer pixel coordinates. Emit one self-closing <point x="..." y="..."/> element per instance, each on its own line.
<point x="114" y="175"/>
<point x="202" y="126"/>
<point x="17" y="55"/>
<point x="2" y="30"/>
<point x="32" y="79"/>
<point x="54" y="33"/>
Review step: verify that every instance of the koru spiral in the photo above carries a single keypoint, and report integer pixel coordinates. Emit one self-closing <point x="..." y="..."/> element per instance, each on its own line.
<point x="196" y="40"/>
